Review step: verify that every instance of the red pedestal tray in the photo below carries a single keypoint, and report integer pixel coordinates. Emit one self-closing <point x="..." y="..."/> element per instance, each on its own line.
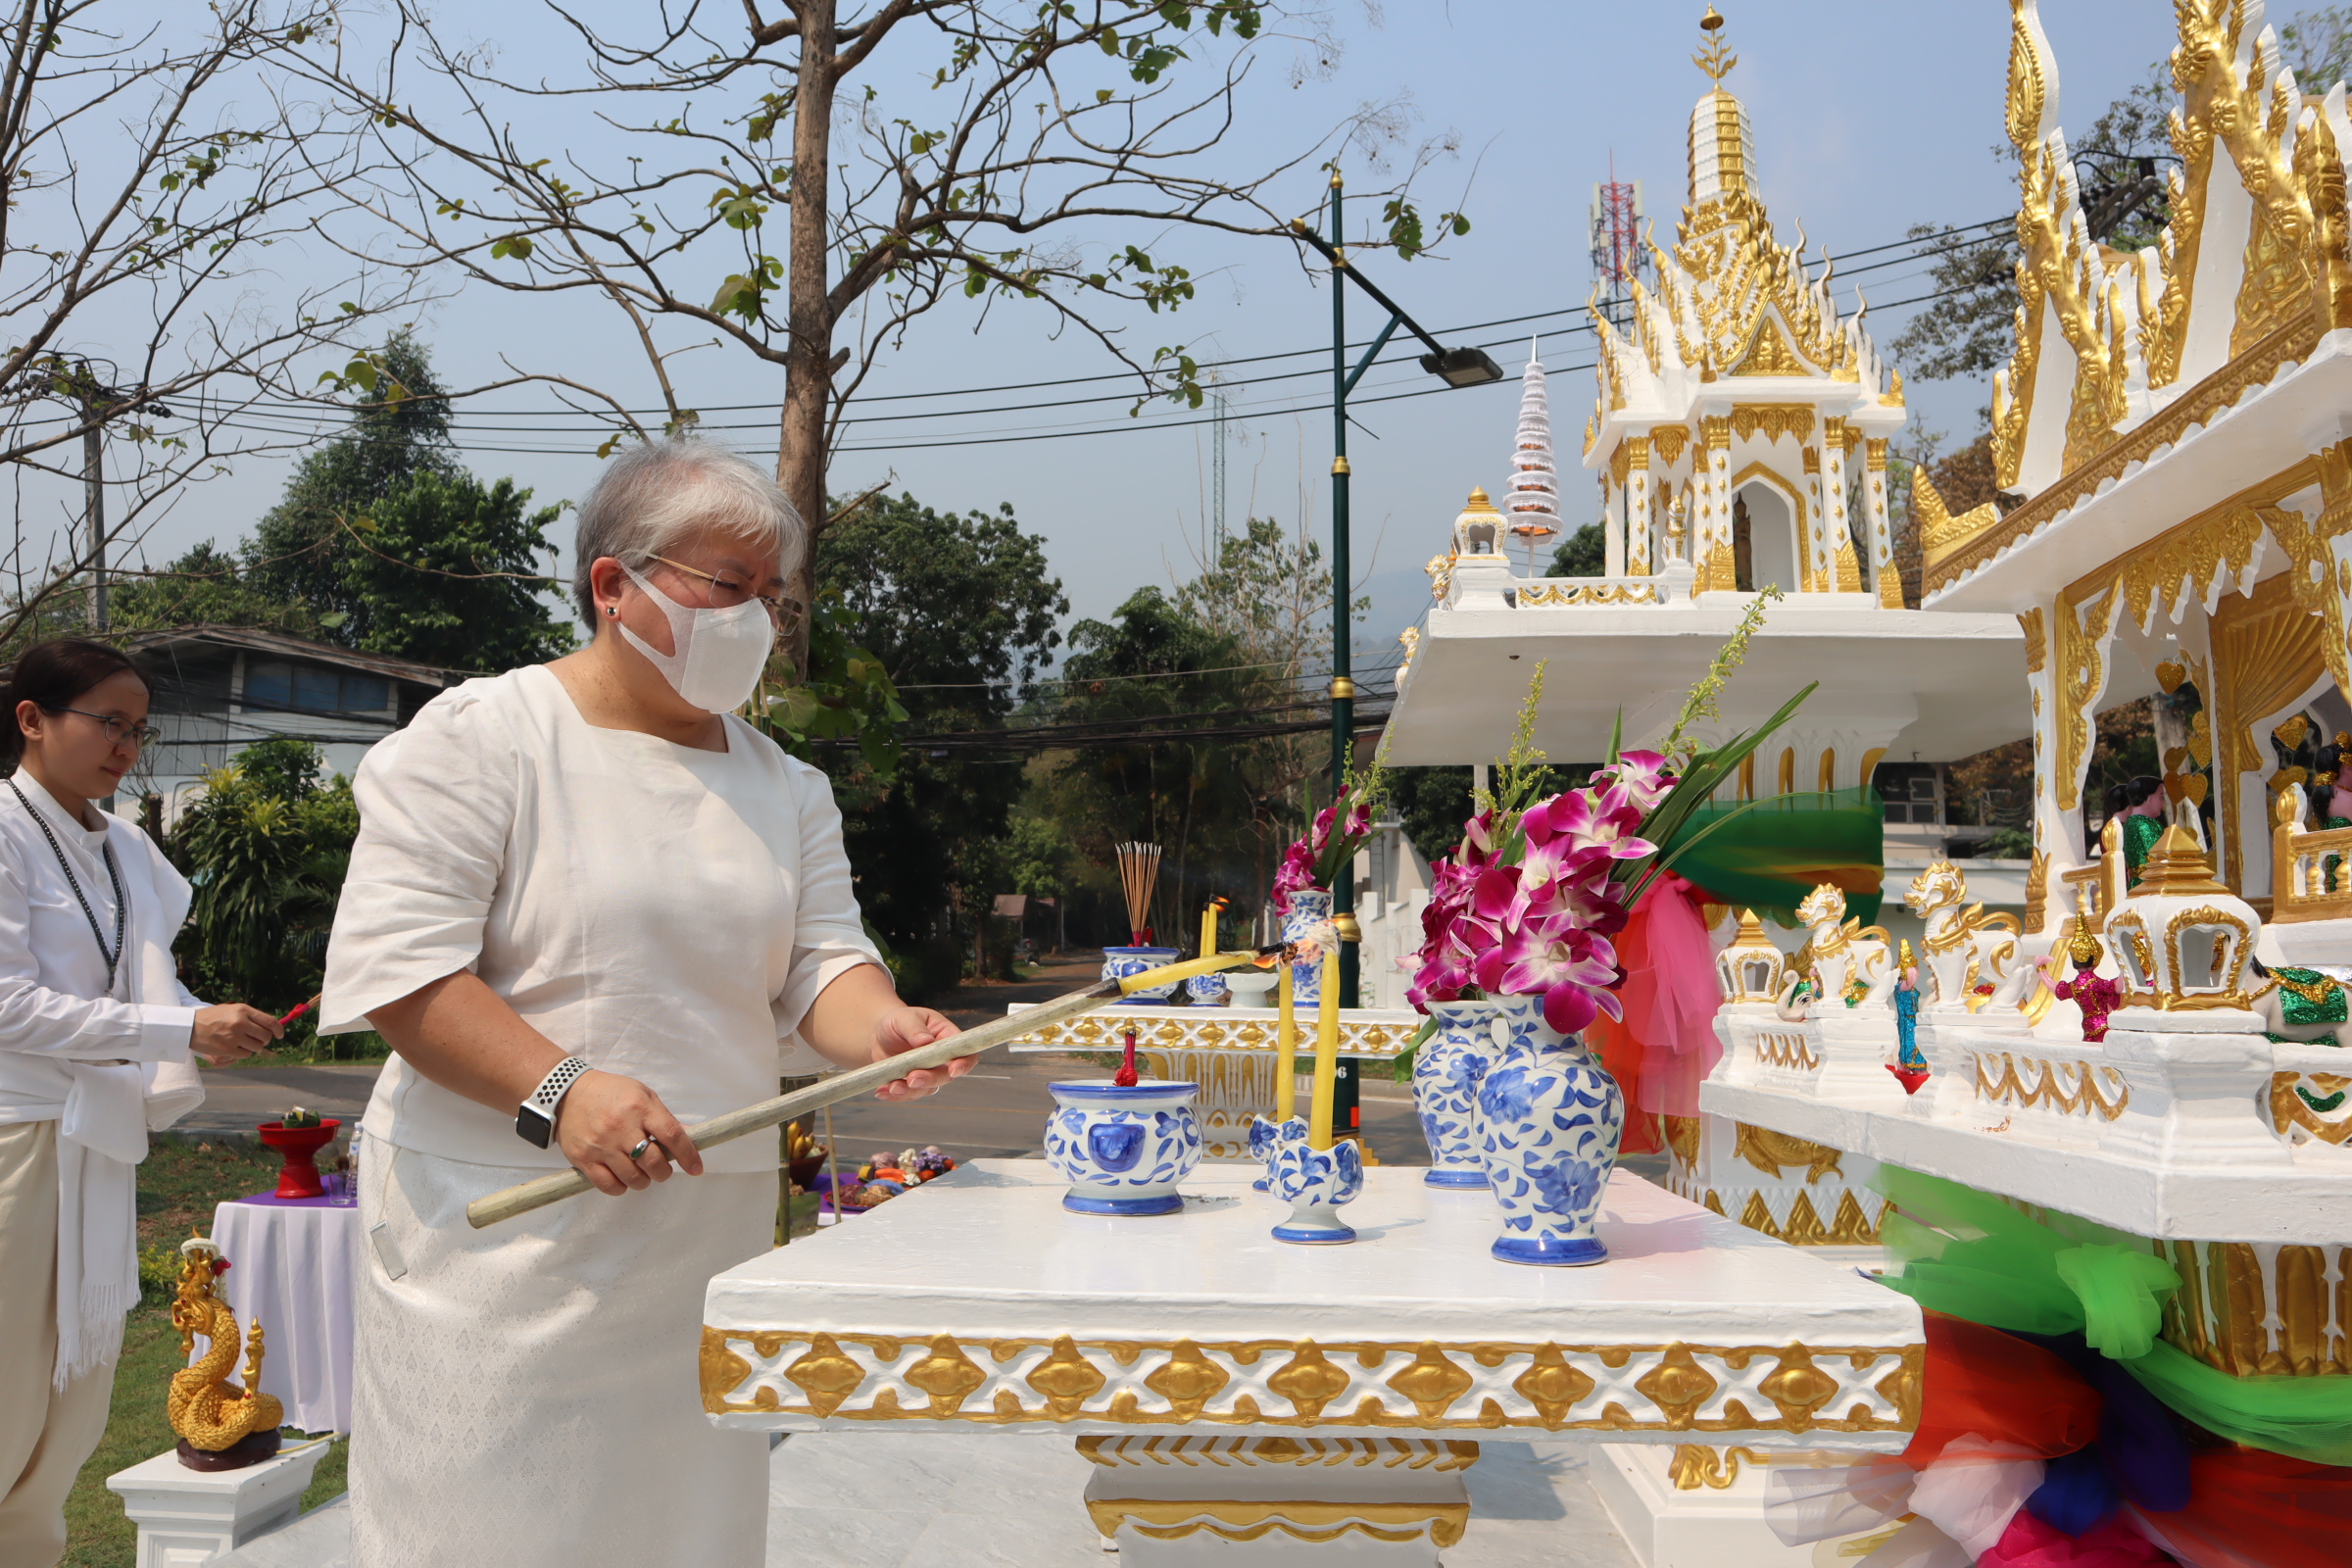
<point x="300" y="1176"/>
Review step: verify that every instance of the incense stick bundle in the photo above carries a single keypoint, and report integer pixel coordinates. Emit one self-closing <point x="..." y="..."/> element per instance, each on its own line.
<point x="1138" y="874"/>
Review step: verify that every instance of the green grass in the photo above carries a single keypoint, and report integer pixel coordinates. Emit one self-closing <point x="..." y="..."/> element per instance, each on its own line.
<point x="180" y="1183"/>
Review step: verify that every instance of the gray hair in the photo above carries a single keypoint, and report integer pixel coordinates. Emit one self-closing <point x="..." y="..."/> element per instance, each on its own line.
<point x="656" y="493"/>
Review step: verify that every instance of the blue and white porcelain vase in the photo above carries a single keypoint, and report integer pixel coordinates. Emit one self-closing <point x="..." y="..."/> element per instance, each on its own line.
<point x="1264" y="1133"/>
<point x="1447" y="1073"/>
<point x="1120" y="962"/>
<point x="1550" y="1121"/>
<point x="1123" y="1150"/>
<point x="1209" y="991"/>
<point x="1308" y="908"/>
<point x="1314" y="1182"/>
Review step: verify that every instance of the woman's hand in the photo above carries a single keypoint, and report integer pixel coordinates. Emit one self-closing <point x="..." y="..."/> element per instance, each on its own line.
<point x="233" y="1031"/>
<point x="902" y="1028"/>
<point x="603" y="1115"/>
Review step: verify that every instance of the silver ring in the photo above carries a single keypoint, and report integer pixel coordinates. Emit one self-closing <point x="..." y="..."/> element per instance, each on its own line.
<point x="643" y="1144"/>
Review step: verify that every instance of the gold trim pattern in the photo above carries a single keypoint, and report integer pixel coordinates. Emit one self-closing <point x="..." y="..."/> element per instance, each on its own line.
<point x="2197" y="406"/>
<point x="1425" y="1386"/>
<point x="1771" y="1151"/>
<point x="2283" y="1312"/>
<point x="2083" y="638"/>
<point x="1772" y="420"/>
<point x="2291" y="1113"/>
<point x="2037" y="647"/>
<point x="1435" y="1454"/>
<point x="1791" y="1050"/>
<point x="1563" y="592"/>
<point x="1160" y="1029"/>
<point x="2067" y="1088"/>
<point x="1670" y="439"/>
<point x="1441" y="1523"/>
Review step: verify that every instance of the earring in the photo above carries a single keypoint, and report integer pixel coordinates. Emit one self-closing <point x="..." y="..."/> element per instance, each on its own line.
<point x="611" y="609"/>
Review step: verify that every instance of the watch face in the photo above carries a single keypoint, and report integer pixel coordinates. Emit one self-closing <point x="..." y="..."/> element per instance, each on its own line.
<point x="533" y="1126"/>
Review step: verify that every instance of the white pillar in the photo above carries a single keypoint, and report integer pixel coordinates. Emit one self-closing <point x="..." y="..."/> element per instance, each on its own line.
<point x="192" y="1516"/>
<point x="1637" y="507"/>
<point x="1833" y="537"/>
<point x="1711" y="501"/>
<point x="1883" y="570"/>
<point x="1612" y="526"/>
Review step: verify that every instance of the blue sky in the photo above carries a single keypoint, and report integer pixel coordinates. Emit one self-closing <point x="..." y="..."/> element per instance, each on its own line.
<point x="1868" y="117"/>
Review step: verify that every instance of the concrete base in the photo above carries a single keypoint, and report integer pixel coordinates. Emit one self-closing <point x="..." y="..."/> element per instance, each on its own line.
<point x="189" y="1517"/>
<point x="1709" y="1525"/>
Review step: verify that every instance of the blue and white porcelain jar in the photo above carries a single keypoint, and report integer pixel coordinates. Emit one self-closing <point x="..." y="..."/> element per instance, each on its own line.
<point x="1314" y="1182"/>
<point x="1307" y="909"/>
<point x="1123" y="1150"/>
<point x="1120" y="962"/>
<point x="1209" y="991"/>
<point x="1264" y="1133"/>
<point x="1447" y="1071"/>
<point x="1549" y="1122"/>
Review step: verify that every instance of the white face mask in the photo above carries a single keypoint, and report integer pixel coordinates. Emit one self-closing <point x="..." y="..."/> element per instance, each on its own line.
<point x="721" y="655"/>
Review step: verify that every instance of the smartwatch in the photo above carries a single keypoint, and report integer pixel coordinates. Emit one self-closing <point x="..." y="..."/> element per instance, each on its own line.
<point x="535" y="1118"/>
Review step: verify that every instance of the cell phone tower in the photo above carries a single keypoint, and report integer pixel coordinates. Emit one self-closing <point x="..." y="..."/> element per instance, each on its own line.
<point x="1618" y="256"/>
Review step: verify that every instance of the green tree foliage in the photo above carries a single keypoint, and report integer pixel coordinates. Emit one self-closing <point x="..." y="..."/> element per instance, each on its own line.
<point x="936" y="619"/>
<point x="1205" y="802"/>
<point x="1583" y="554"/>
<point x="207" y="586"/>
<point x="1434" y="803"/>
<point x="399" y="429"/>
<point x="266" y="846"/>
<point x="445" y="573"/>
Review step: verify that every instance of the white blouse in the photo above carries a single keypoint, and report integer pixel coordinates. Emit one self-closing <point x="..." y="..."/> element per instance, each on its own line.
<point x="56" y="1008"/>
<point x="664" y="912"/>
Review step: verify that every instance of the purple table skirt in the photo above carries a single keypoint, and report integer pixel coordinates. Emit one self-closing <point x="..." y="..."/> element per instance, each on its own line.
<point x="271" y="1200"/>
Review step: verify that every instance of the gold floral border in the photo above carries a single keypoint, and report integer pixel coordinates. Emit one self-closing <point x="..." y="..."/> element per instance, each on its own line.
<point x="1421" y="1386"/>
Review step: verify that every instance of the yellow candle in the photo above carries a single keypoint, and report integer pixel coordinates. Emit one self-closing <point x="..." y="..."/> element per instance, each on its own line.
<point x="1285" y="1049"/>
<point x="1327" y="1055"/>
<point x="1208" y="932"/>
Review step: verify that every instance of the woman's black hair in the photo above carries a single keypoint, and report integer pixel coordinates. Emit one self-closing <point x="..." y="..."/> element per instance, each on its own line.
<point x="2132" y="793"/>
<point x="55" y="675"/>
<point x="2321" y="790"/>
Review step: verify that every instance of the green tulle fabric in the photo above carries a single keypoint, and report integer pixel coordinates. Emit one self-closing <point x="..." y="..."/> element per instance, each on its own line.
<point x="1959" y="1250"/>
<point x="1769" y="856"/>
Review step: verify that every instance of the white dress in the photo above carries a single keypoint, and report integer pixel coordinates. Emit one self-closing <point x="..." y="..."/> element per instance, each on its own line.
<point x="530" y="1392"/>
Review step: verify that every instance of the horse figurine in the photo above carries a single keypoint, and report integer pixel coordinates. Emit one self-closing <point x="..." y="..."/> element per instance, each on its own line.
<point x="1850" y="961"/>
<point x="1966" y="949"/>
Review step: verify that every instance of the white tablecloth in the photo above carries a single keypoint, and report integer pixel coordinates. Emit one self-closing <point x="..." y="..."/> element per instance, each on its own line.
<point x="296" y="1266"/>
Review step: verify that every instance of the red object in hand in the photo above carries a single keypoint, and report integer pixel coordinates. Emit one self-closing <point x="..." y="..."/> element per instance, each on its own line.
<point x="299" y="1177"/>
<point x="298" y="1010"/>
<point x="1126" y="1077"/>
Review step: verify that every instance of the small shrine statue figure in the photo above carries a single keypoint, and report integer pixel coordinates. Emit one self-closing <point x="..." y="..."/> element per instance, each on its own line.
<point x="220" y="1426"/>
<point x="2140" y="804"/>
<point x="2330" y="793"/>
<point x="2092" y="991"/>
<point x="1909" y="1067"/>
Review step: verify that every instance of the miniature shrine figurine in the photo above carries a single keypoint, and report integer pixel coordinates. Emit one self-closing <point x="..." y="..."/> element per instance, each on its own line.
<point x="2140" y="804"/>
<point x="2330" y="795"/>
<point x="1794" y="1001"/>
<point x="1910" y="1066"/>
<point x="220" y="1425"/>
<point x="2302" y="1007"/>
<point x="2092" y="991"/>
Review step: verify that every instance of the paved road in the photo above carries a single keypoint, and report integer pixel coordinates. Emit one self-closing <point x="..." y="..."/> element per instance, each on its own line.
<point x="996" y="1110"/>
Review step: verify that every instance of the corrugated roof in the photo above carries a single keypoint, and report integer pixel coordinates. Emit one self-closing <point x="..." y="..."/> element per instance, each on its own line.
<point x="255" y="638"/>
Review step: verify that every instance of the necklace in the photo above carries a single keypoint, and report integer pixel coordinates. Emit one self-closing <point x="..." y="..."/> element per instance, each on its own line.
<point x="122" y="904"/>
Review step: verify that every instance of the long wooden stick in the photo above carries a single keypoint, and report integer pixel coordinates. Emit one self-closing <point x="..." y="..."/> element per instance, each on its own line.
<point x="552" y="1188"/>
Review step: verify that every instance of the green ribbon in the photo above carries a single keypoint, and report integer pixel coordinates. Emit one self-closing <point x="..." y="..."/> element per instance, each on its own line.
<point x="1768" y="855"/>
<point x="1970" y="1254"/>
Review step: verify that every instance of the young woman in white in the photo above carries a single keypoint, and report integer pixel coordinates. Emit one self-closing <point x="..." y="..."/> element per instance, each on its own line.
<point x="588" y="905"/>
<point x="95" y="1038"/>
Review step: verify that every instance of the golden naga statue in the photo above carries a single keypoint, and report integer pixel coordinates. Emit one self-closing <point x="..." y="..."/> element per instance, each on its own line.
<point x="220" y="1426"/>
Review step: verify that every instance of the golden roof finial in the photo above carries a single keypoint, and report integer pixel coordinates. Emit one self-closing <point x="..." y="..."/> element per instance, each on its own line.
<point x="1712" y="59"/>
<point x="1480" y="500"/>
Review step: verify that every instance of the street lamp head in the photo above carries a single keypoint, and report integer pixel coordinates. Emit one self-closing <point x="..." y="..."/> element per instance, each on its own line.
<point x="1462" y="366"/>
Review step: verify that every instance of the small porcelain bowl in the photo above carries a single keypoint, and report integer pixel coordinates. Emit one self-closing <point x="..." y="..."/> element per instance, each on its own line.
<point x="1123" y="1150"/>
<point x="1120" y="962"/>
<point x="1252" y="988"/>
<point x="1315" y="1182"/>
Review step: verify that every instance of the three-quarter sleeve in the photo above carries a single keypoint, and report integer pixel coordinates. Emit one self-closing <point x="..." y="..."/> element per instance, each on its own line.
<point x="829" y="932"/>
<point x="37" y="1021"/>
<point x="438" y="805"/>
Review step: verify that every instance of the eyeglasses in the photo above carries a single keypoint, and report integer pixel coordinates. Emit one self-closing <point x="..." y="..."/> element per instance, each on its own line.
<point x="784" y="613"/>
<point x="117" y="730"/>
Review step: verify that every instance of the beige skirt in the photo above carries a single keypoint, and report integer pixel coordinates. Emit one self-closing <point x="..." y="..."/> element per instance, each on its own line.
<point x="527" y="1393"/>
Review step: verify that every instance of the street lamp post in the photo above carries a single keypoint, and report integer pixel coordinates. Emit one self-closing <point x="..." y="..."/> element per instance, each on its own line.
<point x="1457" y="368"/>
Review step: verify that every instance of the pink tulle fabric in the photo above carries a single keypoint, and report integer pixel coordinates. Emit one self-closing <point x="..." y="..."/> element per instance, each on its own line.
<point x="1670" y="995"/>
<point x="2030" y="1542"/>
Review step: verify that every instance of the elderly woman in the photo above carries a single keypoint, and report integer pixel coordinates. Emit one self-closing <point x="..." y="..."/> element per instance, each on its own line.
<point x="95" y="1035"/>
<point x="589" y="905"/>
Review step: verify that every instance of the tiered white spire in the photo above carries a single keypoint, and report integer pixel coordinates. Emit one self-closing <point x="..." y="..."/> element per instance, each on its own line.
<point x="1533" y="505"/>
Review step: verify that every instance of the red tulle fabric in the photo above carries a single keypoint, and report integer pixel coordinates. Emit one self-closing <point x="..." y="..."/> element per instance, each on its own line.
<point x="2030" y="1542"/>
<point x="1620" y="1056"/>
<point x="1670" y="995"/>
<point x="2254" y="1509"/>
<point x="1981" y="1380"/>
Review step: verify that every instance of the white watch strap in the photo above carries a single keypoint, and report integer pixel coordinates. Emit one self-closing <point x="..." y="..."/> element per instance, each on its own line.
<point x="551" y="1088"/>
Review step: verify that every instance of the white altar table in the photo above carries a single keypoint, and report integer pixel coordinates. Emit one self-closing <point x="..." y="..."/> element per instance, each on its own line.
<point x="1223" y="1384"/>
